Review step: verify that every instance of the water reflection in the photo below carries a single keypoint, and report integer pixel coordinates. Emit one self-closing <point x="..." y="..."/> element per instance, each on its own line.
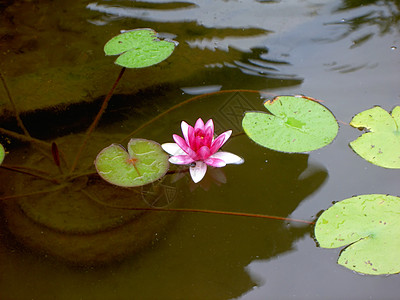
<point x="207" y="247"/>
<point x="197" y="254"/>
<point x="212" y="25"/>
<point x="200" y="255"/>
<point x="380" y="17"/>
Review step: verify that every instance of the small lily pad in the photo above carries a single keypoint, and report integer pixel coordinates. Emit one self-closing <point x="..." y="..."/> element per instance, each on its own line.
<point x="380" y="146"/>
<point x="143" y="163"/>
<point x="370" y="225"/>
<point x="139" y="48"/>
<point x="294" y="124"/>
<point x="2" y="154"/>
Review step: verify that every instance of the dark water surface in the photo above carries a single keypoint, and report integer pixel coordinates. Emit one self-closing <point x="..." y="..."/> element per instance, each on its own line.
<point x="346" y="53"/>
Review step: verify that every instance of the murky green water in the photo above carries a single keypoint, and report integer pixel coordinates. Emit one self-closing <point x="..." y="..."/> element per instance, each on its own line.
<point x="346" y="53"/>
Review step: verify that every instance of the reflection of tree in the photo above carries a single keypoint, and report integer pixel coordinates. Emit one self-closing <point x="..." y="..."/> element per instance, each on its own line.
<point x="209" y="33"/>
<point x="218" y="248"/>
<point x="69" y="217"/>
<point x="58" y="57"/>
<point x="208" y="252"/>
<point x="385" y="15"/>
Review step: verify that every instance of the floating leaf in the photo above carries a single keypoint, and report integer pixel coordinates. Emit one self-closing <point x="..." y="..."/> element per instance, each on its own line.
<point x="370" y="224"/>
<point x="2" y="153"/>
<point x="380" y="146"/>
<point x="295" y="124"/>
<point x="139" y="48"/>
<point x="144" y="163"/>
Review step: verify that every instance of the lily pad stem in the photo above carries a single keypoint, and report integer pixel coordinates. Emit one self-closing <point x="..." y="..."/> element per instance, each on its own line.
<point x="96" y="120"/>
<point x="30" y="172"/>
<point x="24" y="138"/>
<point x="58" y="187"/>
<point x="195" y="210"/>
<point x="14" y="107"/>
<point x="189" y="101"/>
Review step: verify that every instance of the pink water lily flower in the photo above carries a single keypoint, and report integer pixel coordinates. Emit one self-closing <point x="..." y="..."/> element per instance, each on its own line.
<point x="198" y="149"/>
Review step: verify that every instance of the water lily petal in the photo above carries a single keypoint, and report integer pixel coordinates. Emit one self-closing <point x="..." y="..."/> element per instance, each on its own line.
<point x="182" y="144"/>
<point x="185" y="131"/>
<point x="198" y="171"/>
<point x="172" y="149"/>
<point x="220" y="140"/>
<point x="208" y="133"/>
<point x="209" y="126"/>
<point x="181" y="160"/>
<point x="203" y="153"/>
<point x="191" y="137"/>
<point x="199" y="124"/>
<point x="228" y="157"/>
<point x="215" y="162"/>
<point x="208" y="139"/>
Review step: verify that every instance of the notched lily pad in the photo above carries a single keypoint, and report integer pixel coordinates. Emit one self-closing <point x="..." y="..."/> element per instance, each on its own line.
<point x="139" y="48"/>
<point x="294" y="124"/>
<point x="381" y="145"/>
<point x="370" y="225"/>
<point x="143" y="163"/>
<point x="2" y="154"/>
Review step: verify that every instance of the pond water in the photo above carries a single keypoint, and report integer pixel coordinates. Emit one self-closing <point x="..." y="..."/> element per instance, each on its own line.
<point x="345" y="53"/>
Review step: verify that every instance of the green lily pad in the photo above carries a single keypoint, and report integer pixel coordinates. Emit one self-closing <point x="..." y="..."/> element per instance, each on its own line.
<point x="2" y="154"/>
<point x="294" y="124"/>
<point x="139" y="48"/>
<point x="144" y="163"/>
<point x="380" y="146"/>
<point x="370" y="224"/>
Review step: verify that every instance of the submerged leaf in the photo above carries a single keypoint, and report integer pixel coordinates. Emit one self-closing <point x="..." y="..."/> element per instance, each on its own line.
<point x="139" y="48"/>
<point x="370" y="224"/>
<point x="2" y="154"/>
<point x="295" y="124"/>
<point x="144" y="163"/>
<point x="380" y="146"/>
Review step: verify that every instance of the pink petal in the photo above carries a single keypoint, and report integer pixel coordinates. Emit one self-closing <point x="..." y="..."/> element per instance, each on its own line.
<point x="185" y="131"/>
<point x="191" y="137"/>
<point x="215" y="162"/>
<point x="199" y="124"/>
<point x="209" y="125"/>
<point x="208" y="139"/>
<point x="181" y="160"/>
<point x="197" y="143"/>
<point x="203" y="153"/>
<point x="208" y="133"/>
<point x="182" y="144"/>
<point x="228" y="158"/>
<point x="172" y="149"/>
<point x="220" y="140"/>
<point x="198" y="171"/>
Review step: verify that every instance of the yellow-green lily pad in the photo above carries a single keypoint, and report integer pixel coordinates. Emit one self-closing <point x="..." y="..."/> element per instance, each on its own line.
<point x="370" y="225"/>
<point x="139" y="48"/>
<point x="293" y="124"/>
<point x="143" y="163"/>
<point x="381" y="145"/>
<point x="2" y="153"/>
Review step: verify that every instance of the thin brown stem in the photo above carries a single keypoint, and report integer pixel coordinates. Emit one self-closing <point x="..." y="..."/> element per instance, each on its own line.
<point x="24" y="138"/>
<point x="33" y="193"/>
<point x="195" y="210"/>
<point x="14" y="107"/>
<point x="96" y="120"/>
<point x="30" y="172"/>
<point x="187" y="102"/>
